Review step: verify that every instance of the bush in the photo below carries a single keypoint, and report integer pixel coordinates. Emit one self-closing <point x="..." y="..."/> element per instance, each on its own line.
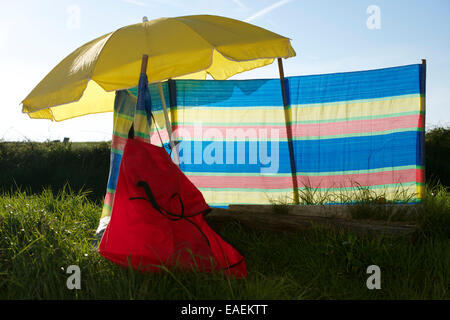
<point x="33" y="166"/>
<point x="437" y="156"/>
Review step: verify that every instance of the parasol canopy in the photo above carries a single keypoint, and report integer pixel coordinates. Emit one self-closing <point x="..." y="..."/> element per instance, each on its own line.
<point x="188" y="46"/>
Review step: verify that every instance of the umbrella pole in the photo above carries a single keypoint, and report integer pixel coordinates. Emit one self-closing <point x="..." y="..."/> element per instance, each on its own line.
<point x="287" y="119"/>
<point x="168" y="125"/>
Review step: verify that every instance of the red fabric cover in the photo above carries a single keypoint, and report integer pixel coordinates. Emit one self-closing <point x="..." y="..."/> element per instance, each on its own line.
<point x="139" y="235"/>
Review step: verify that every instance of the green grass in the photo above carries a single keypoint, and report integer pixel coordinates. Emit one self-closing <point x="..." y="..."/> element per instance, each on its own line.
<point x="362" y="202"/>
<point x="42" y="234"/>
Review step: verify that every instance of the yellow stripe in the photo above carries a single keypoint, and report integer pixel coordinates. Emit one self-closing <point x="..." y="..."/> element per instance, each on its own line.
<point x="420" y="191"/>
<point x="238" y="197"/>
<point x="229" y="115"/>
<point x="356" y="109"/>
<point x="106" y="211"/>
<point x="347" y="109"/>
<point x="141" y="125"/>
<point x="122" y="125"/>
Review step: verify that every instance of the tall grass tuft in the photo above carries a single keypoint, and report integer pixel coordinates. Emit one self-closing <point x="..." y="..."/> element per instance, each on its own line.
<point x="434" y="216"/>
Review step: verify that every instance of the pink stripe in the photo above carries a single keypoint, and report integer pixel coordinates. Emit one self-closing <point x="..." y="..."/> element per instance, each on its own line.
<point x="335" y="181"/>
<point x="355" y="126"/>
<point x="154" y="137"/>
<point x="298" y="130"/>
<point x="118" y="143"/>
<point x="420" y="177"/>
<point x="109" y="198"/>
<point x="142" y="139"/>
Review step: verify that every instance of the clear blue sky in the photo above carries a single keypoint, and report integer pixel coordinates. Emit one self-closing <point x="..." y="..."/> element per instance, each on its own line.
<point x="328" y="36"/>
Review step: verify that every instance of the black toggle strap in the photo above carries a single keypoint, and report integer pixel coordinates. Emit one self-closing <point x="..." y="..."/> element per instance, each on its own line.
<point x="131" y="132"/>
<point x="152" y="200"/>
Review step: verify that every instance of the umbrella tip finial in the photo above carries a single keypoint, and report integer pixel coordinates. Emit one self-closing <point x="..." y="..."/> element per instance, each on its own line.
<point x="144" y="19"/>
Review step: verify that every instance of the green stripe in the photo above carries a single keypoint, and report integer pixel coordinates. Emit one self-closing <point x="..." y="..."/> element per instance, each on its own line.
<point x="136" y="133"/>
<point x="142" y="112"/>
<point x="116" y="151"/>
<point x="243" y="174"/>
<point x="142" y="134"/>
<point x="120" y="134"/>
<point x="110" y="190"/>
<point x="124" y="116"/>
<point x="315" y="189"/>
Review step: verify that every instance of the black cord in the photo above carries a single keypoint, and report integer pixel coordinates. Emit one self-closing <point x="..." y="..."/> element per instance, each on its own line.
<point x="152" y="200"/>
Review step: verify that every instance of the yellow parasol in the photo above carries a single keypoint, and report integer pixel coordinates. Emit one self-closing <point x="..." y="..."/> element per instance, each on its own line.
<point x="192" y="46"/>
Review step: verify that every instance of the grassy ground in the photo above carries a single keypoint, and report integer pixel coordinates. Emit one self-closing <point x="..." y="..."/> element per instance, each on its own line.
<point x="41" y="235"/>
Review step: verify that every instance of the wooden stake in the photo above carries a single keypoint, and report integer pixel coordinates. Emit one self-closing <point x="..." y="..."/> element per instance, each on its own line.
<point x="144" y="64"/>
<point x="166" y="115"/>
<point x="287" y="119"/>
<point x="423" y="111"/>
<point x="168" y="126"/>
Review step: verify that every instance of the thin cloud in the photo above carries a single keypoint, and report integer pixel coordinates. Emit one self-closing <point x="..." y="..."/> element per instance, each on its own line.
<point x="153" y="3"/>
<point x="240" y="4"/>
<point x="267" y="10"/>
<point x="138" y="3"/>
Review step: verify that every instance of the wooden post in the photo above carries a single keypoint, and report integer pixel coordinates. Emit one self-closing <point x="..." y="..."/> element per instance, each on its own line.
<point x="423" y="112"/>
<point x="287" y="119"/>
<point x="144" y="64"/>
<point x="166" y="115"/>
<point x="168" y="126"/>
<point x="173" y="100"/>
<point x="143" y="70"/>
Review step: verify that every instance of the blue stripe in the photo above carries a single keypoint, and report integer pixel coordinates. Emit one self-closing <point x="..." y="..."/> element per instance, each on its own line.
<point x="229" y="93"/>
<point x="354" y="85"/>
<point x="323" y="155"/>
<point x="114" y="170"/>
<point x="154" y="95"/>
<point x="323" y="88"/>
<point x="357" y="153"/>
